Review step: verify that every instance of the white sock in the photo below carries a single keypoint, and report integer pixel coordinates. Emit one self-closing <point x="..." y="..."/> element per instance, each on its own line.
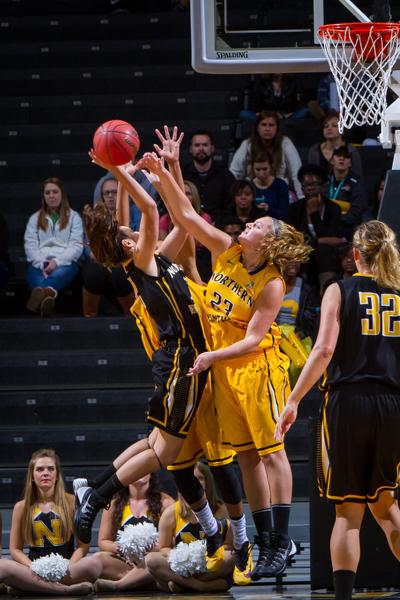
<point x="206" y="519"/>
<point x="81" y="492"/>
<point x="239" y="532"/>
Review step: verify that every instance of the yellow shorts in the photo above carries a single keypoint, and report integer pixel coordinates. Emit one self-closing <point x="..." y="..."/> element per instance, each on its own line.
<point x="204" y="438"/>
<point x="249" y="399"/>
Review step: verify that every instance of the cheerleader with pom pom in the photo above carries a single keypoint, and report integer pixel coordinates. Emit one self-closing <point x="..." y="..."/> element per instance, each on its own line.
<point x="127" y="531"/>
<point x="180" y="563"/>
<point x="43" y="520"/>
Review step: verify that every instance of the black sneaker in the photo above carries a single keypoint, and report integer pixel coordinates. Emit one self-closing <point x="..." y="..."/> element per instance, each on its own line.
<point x="264" y="544"/>
<point x="279" y="556"/>
<point x="88" y="503"/>
<point x="215" y="546"/>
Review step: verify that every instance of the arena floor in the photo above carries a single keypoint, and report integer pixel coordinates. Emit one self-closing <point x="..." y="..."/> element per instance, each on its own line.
<point x="254" y="592"/>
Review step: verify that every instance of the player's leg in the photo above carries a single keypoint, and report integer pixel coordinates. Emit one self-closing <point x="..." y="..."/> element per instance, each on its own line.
<point x="345" y="547"/>
<point x="386" y="512"/>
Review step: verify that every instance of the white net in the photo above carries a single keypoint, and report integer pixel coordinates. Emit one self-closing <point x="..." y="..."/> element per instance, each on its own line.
<point x="361" y="57"/>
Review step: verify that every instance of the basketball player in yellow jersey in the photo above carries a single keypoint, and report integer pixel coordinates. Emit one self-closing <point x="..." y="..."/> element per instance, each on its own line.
<point x="249" y="373"/>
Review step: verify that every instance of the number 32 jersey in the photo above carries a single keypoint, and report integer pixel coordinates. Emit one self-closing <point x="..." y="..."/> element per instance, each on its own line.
<point x="368" y="347"/>
<point x="230" y="296"/>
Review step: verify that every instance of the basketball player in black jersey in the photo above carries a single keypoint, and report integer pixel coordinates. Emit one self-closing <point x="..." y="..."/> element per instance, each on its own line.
<point x="358" y="345"/>
<point x="164" y="291"/>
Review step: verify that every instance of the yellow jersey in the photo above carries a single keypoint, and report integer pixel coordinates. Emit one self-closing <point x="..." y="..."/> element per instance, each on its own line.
<point x="230" y="297"/>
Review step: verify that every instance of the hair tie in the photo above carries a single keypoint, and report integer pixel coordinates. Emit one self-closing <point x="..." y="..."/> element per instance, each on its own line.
<point x="275" y="226"/>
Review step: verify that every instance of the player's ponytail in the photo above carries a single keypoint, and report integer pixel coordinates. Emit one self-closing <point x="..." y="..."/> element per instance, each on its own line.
<point x="104" y="235"/>
<point x="286" y="245"/>
<point x="379" y="251"/>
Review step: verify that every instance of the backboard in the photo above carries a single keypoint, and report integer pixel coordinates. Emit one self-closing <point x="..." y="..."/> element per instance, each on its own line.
<point x="265" y="36"/>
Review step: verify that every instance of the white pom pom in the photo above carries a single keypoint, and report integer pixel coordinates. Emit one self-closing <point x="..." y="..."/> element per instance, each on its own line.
<point x="136" y="540"/>
<point x="188" y="559"/>
<point x="50" y="568"/>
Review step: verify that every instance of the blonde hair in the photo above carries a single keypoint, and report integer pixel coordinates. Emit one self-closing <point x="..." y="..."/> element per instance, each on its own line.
<point x="284" y="246"/>
<point x="196" y="202"/>
<point x="31" y="497"/>
<point x="379" y="251"/>
<point x="64" y="209"/>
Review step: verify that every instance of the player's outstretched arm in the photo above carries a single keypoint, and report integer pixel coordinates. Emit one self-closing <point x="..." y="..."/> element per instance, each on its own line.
<point x="183" y="212"/>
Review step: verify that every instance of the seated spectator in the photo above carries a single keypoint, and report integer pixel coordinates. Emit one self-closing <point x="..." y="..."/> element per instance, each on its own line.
<point x="327" y="97"/>
<point x="243" y="206"/>
<point x="43" y="521"/>
<point x="232" y="225"/>
<point x="266" y="135"/>
<point x="321" y="154"/>
<point x="297" y="319"/>
<point x="99" y="281"/>
<point x="319" y="219"/>
<point x="141" y="502"/>
<point x="346" y="189"/>
<point x="53" y="247"/>
<point x="346" y="261"/>
<point x="179" y="524"/>
<point x="6" y="267"/>
<point x="377" y="197"/>
<point x="192" y="193"/>
<point x="135" y="214"/>
<point x="271" y="192"/>
<point x="212" y="180"/>
<point x="279" y="92"/>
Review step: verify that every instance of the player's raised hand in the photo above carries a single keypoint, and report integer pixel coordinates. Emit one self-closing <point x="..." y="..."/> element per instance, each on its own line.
<point x="170" y="144"/>
<point x="95" y="160"/>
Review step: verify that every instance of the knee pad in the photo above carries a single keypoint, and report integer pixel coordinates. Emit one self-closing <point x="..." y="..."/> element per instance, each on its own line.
<point x="229" y="484"/>
<point x="188" y="485"/>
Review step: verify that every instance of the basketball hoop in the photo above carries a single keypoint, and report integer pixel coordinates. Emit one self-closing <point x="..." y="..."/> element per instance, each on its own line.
<point x="361" y="57"/>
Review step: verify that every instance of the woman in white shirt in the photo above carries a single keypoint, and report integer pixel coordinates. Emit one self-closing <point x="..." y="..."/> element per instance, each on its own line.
<point x="53" y="245"/>
<point x="266" y="135"/>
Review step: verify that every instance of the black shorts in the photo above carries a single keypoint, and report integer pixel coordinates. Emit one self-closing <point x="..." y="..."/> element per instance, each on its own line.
<point x="358" y="454"/>
<point x="177" y="396"/>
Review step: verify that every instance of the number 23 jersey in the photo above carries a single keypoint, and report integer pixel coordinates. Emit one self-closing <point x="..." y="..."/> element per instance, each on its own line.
<point x="230" y="296"/>
<point x="368" y="347"/>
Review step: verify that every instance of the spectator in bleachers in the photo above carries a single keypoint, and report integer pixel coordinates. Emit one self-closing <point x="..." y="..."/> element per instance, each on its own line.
<point x="213" y="181"/>
<point x="327" y="96"/>
<point x="43" y="521"/>
<point x="321" y="154"/>
<point x="232" y="225"/>
<point x="347" y="190"/>
<point x="53" y="247"/>
<point x="141" y="502"/>
<point x="99" y="280"/>
<point x="135" y="214"/>
<point x="297" y="319"/>
<point x="202" y="254"/>
<point x="320" y="220"/>
<point x="278" y="92"/>
<point x="377" y="197"/>
<point x="271" y="192"/>
<point x="243" y="205"/>
<point x="266" y="135"/>
<point x="6" y="268"/>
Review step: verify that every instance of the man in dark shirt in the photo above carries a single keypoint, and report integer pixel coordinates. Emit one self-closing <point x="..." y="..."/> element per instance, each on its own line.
<point x="213" y="181"/>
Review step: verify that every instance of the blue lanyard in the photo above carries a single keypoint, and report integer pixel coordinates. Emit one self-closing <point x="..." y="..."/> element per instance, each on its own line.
<point x="334" y="192"/>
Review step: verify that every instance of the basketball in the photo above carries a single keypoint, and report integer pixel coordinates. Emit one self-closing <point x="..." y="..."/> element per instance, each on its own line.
<point x="116" y="142"/>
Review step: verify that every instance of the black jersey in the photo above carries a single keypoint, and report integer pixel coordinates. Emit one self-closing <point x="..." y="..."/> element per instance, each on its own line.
<point x="368" y="347"/>
<point x="169" y="302"/>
